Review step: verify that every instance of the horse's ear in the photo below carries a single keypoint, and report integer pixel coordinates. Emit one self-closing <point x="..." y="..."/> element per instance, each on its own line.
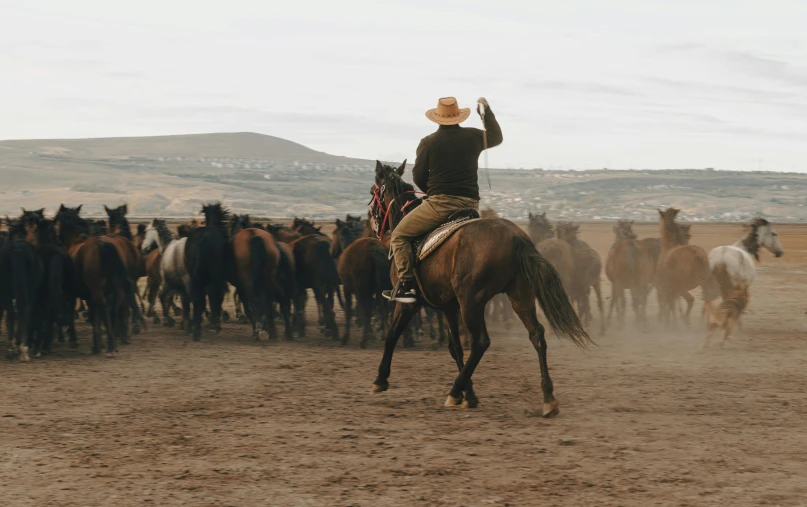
<point x="61" y="208"/>
<point x="339" y="223"/>
<point x="660" y="213"/>
<point x="529" y="214"/>
<point x="402" y="168"/>
<point x="318" y="228"/>
<point x="106" y="209"/>
<point x="125" y="208"/>
<point x="23" y="210"/>
<point x="632" y="221"/>
<point x="379" y="169"/>
<point x="78" y="210"/>
<point x="543" y="215"/>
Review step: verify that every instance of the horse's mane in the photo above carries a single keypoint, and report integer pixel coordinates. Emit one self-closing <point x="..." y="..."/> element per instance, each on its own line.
<point x="162" y="231"/>
<point x="216" y="216"/>
<point x="751" y="241"/>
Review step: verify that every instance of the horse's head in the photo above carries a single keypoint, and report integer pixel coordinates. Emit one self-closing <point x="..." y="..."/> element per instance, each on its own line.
<point x="766" y="237"/>
<point x="670" y="232"/>
<point x="71" y="225"/>
<point x="16" y="229"/>
<point x="306" y="227"/>
<point x="392" y="197"/>
<point x="216" y="216"/>
<point x="118" y="223"/>
<point x="567" y="231"/>
<point x="30" y="221"/>
<point x="624" y="230"/>
<point x="539" y="227"/>
<point x="345" y="233"/>
<point x="238" y="223"/>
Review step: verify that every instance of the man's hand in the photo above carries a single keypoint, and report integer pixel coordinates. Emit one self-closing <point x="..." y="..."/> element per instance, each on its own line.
<point x="482" y="103"/>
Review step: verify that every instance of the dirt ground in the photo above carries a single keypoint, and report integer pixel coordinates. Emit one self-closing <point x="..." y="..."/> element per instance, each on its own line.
<point x="646" y="418"/>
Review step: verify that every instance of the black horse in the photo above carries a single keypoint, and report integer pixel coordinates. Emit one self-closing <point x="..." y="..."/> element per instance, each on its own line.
<point x="20" y="277"/>
<point x="206" y="261"/>
<point x="56" y="298"/>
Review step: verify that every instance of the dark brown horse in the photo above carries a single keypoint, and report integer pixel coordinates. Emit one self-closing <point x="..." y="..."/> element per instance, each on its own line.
<point x="121" y="236"/>
<point x="480" y="260"/>
<point x="364" y="269"/>
<point x="316" y="270"/>
<point x="587" y="272"/>
<point x="681" y="267"/>
<point x="104" y="281"/>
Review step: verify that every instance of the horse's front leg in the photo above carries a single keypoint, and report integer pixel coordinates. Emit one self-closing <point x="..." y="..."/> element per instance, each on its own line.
<point x="400" y="319"/>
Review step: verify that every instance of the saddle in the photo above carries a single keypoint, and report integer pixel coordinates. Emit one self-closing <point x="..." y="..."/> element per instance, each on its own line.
<point x="425" y="245"/>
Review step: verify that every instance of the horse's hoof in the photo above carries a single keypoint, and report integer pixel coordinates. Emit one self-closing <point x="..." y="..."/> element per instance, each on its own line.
<point x="110" y="354"/>
<point x="243" y="320"/>
<point x="362" y="345"/>
<point x="378" y="388"/>
<point x="135" y="329"/>
<point x="73" y="345"/>
<point x="225" y="316"/>
<point x="452" y="401"/>
<point x="155" y="321"/>
<point x="470" y="402"/>
<point x="177" y="311"/>
<point x="551" y="409"/>
<point x="262" y="335"/>
<point x="329" y="334"/>
<point x="170" y="323"/>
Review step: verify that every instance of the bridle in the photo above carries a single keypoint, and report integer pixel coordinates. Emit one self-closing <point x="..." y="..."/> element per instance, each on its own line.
<point x="381" y="211"/>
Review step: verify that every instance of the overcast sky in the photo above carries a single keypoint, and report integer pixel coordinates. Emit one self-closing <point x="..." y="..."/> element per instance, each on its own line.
<point x="575" y="84"/>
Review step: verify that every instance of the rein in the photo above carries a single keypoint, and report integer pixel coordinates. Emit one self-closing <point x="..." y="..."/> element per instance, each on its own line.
<point x="377" y="202"/>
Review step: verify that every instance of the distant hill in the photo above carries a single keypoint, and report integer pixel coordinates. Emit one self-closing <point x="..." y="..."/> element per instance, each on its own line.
<point x="171" y="176"/>
<point x="234" y="145"/>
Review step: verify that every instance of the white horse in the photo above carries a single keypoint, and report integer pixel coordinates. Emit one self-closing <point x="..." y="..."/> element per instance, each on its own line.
<point x="733" y="268"/>
<point x="176" y="279"/>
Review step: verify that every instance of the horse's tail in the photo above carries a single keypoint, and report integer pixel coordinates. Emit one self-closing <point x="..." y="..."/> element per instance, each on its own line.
<point x="548" y="289"/>
<point x="327" y="262"/>
<point x="56" y="296"/>
<point x="286" y="280"/>
<point x="20" y="270"/>
<point x="259" y="261"/>
<point x="113" y="267"/>
<point x="381" y="267"/>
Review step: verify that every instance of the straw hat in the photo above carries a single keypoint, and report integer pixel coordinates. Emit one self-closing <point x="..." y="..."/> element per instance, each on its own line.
<point x="448" y="112"/>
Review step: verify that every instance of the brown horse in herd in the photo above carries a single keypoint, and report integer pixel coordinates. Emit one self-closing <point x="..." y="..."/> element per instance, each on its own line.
<point x="630" y="265"/>
<point x="586" y="275"/>
<point x="681" y="268"/>
<point x="478" y="261"/>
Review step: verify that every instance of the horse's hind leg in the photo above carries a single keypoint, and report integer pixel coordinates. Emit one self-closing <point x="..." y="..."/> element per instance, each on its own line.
<point x="690" y="301"/>
<point x="598" y="293"/>
<point x="349" y="312"/>
<point x="524" y="305"/>
<point x="400" y="319"/>
<point x="366" y="304"/>
<point x="454" y="342"/>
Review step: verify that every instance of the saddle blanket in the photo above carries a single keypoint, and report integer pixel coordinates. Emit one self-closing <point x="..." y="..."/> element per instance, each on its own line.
<point x="425" y="246"/>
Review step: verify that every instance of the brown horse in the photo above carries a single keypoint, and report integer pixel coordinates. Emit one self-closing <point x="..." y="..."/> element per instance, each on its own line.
<point x="681" y="267"/>
<point x="556" y="251"/>
<point x="631" y="265"/>
<point x="306" y="227"/>
<point x="364" y="269"/>
<point x="480" y="260"/>
<point x="344" y="234"/>
<point x="121" y="236"/>
<point x="316" y="270"/>
<point x="587" y="272"/>
<point x="104" y="280"/>
<point x="254" y="265"/>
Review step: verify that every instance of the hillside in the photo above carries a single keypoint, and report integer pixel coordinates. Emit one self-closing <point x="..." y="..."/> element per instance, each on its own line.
<point x="171" y="176"/>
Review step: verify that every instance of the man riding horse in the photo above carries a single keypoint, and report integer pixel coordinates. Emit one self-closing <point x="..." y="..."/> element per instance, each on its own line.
<point x="446" y="170"/>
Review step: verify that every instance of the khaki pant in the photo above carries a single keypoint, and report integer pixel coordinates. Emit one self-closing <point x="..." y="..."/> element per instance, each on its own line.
<point x="425" y="218"/>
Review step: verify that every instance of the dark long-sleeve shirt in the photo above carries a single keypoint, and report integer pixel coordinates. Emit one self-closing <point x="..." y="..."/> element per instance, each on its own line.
<point x="448" y="160"/>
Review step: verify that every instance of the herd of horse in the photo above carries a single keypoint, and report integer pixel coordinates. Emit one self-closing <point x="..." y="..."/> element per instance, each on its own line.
<point x="489" y="268"/>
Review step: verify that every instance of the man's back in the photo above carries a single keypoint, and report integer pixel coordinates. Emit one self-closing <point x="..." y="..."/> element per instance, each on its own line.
<point x="448" y="160"/>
